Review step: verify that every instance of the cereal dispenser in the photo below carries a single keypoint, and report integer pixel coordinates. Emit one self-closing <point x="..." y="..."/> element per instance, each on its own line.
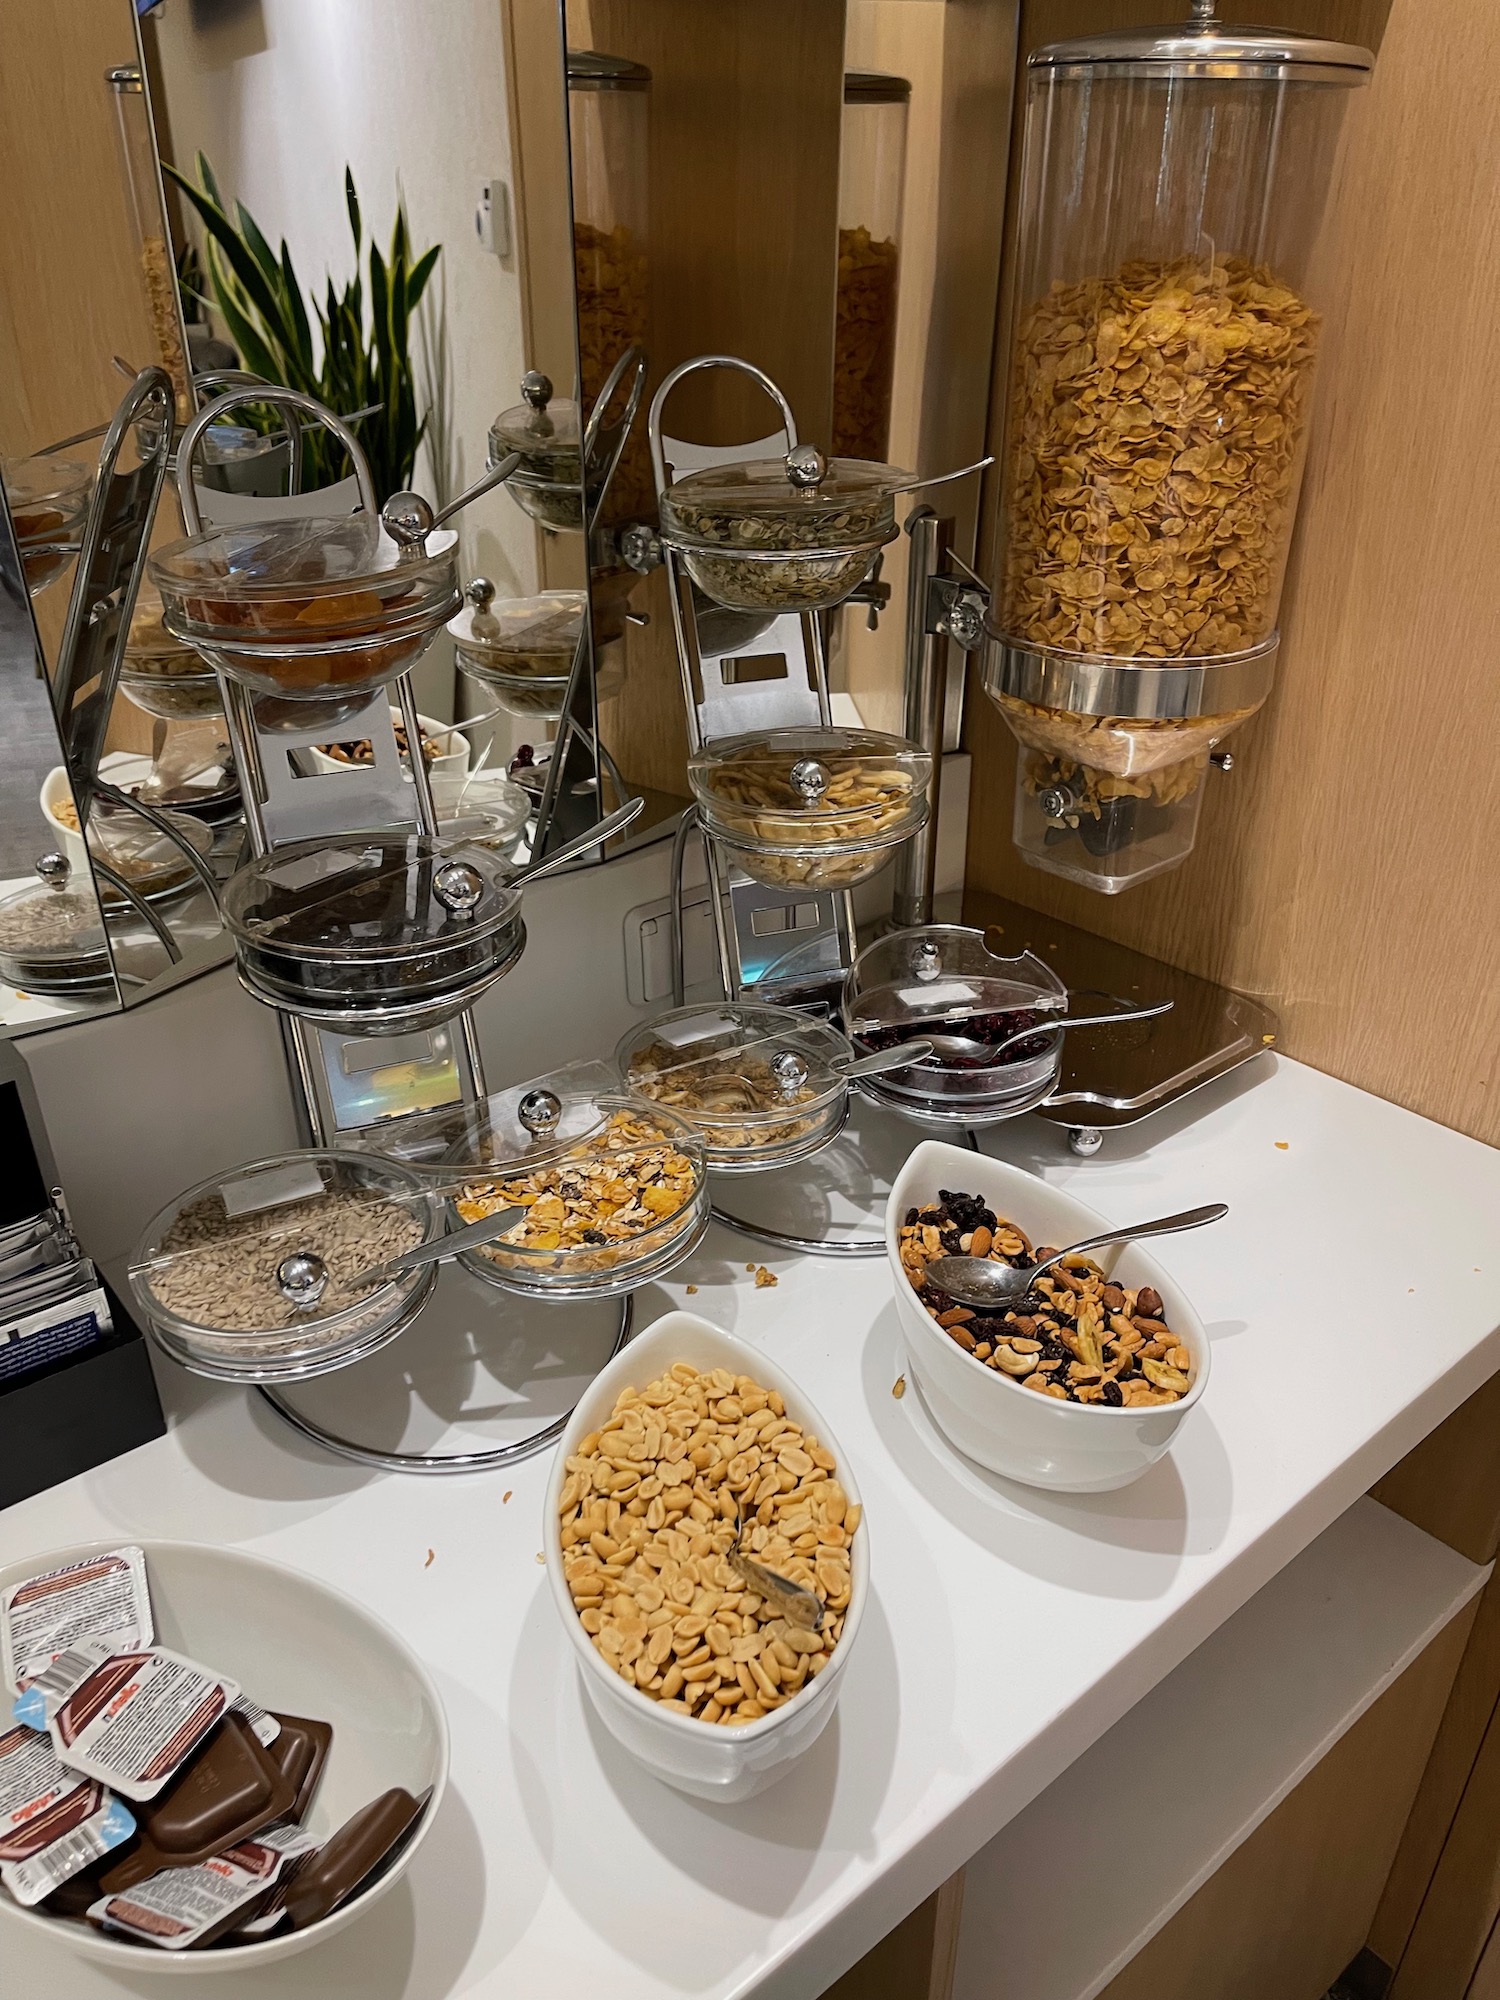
<point x="1162" y="352"/>
<point x="609" y="127"/>
<point x="872" y="172"/>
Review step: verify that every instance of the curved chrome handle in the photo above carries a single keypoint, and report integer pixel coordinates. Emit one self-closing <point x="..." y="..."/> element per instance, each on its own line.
<point x="685" y="368"/>
<point x="278" y="398"/>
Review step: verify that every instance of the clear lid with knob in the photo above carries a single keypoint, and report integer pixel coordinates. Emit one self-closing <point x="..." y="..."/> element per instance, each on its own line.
<point x="825" y="796"/>
<point x="545" y="429"/>
<point x="52" y="933"/>
<point x="255" y="1274"/>
<point x="608" y="1190"/>
<point x="309" y="609"/>
<point x="763" y="1085"/>
<point x="800" y="501"/>
<point x="518" y="636"/>
<point x="45" y="493"/>
<point x="375" y="899"/>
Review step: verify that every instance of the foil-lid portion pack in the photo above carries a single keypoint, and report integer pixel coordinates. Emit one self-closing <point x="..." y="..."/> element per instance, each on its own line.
<point x="128" y="1719"/>
<point x="182" y="1907"/>
<point x="102" y="1597"/>
<point x="53" y="1821"/>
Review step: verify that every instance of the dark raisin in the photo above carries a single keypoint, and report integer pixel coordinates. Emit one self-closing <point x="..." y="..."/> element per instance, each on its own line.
<point x="911" y="1219"/>
<point x="1113" y="1394"/>
<point x="594" y="1236"/>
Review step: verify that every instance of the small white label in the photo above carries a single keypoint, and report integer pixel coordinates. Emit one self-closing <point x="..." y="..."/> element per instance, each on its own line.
<point x="325" y="866"/>
<point x="701" y="1028"/>
<point x="273" y="1187"/>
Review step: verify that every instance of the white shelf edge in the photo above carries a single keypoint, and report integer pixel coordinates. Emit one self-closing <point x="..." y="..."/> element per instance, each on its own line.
<point x="1162" y="1800"/>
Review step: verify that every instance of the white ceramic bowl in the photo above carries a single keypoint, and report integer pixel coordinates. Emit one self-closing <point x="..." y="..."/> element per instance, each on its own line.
<point x="1070" y="1447"/>
<point x="446" y="771"/>
<point x="122" y="768"/>
<point x="700" y="1757"/>
<point x="295" y="1645"/>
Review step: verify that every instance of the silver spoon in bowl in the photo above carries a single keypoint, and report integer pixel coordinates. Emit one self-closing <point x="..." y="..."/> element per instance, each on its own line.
<point x="980" y="1055"/>
<point x="987" y="1283"/>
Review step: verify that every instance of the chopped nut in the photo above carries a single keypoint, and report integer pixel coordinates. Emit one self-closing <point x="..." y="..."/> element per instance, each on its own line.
<point x="763" y="1278"/>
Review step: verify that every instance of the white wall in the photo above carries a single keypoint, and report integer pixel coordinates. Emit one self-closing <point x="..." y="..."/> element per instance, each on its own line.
<point x="280" y="94"/>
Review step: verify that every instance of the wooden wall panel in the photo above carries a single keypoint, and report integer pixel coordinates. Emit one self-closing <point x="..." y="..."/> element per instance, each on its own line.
<point x="1289" y="1909"/>
<point x="1346" y="871"/>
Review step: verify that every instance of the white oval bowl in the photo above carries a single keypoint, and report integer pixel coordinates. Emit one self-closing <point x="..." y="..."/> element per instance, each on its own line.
<point x="702" y="1758"/>
<point x="1039" y="1440"/>
<point x="295" y="1645"/>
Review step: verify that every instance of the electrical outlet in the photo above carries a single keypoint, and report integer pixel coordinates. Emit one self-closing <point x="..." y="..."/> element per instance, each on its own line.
<point x="492" y="217"/>
<point x="648" y="951"/>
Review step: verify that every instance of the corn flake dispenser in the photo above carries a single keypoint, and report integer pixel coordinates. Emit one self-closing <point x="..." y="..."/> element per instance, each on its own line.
<point x="1162" y="355"/>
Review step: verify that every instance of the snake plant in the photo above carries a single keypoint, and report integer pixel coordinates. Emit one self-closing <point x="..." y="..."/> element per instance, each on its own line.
<point x="347" y="366"/>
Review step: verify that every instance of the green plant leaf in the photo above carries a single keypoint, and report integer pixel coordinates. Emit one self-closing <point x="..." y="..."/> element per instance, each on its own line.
<point x="421" y="271"/>
<point x="351" y="202"/>
<point x="257" y="245"/>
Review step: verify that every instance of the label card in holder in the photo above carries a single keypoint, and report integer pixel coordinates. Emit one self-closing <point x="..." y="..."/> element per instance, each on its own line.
<point x="273" y="1187"/>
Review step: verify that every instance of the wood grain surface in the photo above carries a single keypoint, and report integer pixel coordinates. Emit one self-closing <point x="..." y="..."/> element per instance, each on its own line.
<point x="1346" y="871"/>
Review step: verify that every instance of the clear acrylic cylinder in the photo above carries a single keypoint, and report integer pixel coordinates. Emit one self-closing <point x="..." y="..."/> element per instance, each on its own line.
<point x="1162" y="349"/>
<point x="609" y="142"/>
<point x="872" y="178"/>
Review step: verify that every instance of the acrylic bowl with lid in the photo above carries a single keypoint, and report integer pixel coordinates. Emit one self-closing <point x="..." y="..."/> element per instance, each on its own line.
<point x="248" y="1276"/>
<point x="1038" y="1440"/>
<point x="710" y="1762"/>
<point x="299" y="1647"/>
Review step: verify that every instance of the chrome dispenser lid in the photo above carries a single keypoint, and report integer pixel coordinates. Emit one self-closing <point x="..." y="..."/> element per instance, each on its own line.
<point x="589" y="70"/>
<point x="1206" y="48"/>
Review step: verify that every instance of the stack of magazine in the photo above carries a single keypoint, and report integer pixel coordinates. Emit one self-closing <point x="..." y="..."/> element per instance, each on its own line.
<point x="52" y="1305"/>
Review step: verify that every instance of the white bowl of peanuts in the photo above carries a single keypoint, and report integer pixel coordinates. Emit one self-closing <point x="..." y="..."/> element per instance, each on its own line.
<point x="1082" y="1396"/>
<point x="715" y="1687"/>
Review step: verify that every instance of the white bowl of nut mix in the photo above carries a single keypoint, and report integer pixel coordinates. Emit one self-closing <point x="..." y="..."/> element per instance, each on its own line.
<point x="1085" y="1384"/>
<point x="712" y="1626"/>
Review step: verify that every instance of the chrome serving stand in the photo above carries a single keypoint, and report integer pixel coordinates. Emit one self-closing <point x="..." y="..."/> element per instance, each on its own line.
<point x="390" y="793"/>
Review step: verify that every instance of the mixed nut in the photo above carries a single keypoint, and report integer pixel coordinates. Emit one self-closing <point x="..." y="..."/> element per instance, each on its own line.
<point x="700" y="1525"/>
<point x="1157" y="423"/>
<point x="1075" y="1336"/>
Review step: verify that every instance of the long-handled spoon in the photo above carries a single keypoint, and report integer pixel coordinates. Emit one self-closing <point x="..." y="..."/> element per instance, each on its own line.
<point x="979" y="1055"/>
<point x="987" y="1283"/>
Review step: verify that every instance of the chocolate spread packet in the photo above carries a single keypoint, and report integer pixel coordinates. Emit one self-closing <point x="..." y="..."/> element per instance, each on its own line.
<point x="102" y="1597"/>
<point x="349" y="1857"/>
<point x="129" y="1720"/>
<point x="185" y="1907"/>
<point x="226" y="1792"/>
<point x="301" y="1750"/>
<point x="53" y="1823"/>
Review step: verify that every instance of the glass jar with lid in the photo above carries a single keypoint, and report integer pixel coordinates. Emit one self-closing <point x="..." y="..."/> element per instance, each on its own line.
<point x="256" y="1275"/>
<point x="783" y="534"/>
<point x="308" y="609"/>
<point x="384" y="935"/>
<point x="521" y="648"/>
<point x="1162" y="353"/>
<point x="609" y="145"/>
<point x="942" y="983"/>
<point x="161" y="673"/>
<point x="608" y="1191"/>
<point x="547" y="432"/>
<point x="872" y="181"/>
<point x="47" y="497"/>
<point x="763" y="1086"/>
<point x="52" y="933"/>
<point x="820" y="808"/>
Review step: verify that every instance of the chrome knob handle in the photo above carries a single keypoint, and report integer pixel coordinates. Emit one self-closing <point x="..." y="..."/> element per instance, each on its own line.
<point x="302" y="1278"/>
<point x="790" y="1072"/>
<point x="458" y="886"/>
<point x="408" y="519"/>
<point x="806" y="466"/>
<point x="54" y="869"/>
<point x="540" y="1111"/>
<point x="809" y="779"/>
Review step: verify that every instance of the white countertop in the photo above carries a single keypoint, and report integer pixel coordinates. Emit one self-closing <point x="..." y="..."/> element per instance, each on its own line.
<point x="1352" y="1300"/>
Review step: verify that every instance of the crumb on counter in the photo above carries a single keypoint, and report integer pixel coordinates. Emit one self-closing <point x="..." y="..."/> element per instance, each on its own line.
<point x="431" y="1559"/>
<point x="692" y="1289"/>
<point x="1283" y="1145"/>
<point x="764" y="1278"/>
<point x="898" y="1387"/>
<point x="506" y="1495"/>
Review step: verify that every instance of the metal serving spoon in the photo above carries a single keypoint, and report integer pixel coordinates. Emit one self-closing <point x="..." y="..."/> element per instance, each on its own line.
<point x="980" y="1055"/>
<point x="987" y="1283"/>
<point x="802" y="1609"/>
<point x="303" y="1276"/>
